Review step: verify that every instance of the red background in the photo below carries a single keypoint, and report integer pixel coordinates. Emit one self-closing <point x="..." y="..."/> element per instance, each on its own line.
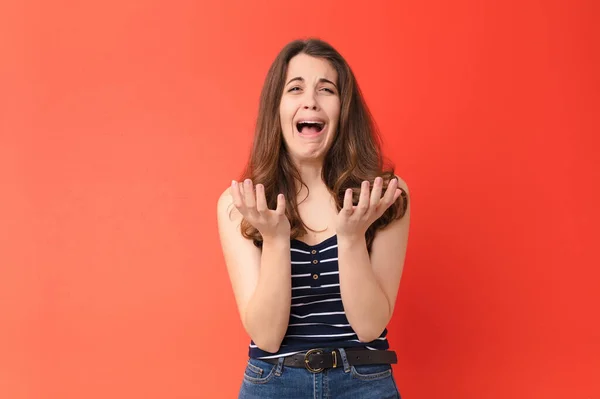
<point x="122" y="121"/>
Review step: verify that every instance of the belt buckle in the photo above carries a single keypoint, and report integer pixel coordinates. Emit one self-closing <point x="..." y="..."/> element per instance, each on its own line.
<point x="306" y="361"/>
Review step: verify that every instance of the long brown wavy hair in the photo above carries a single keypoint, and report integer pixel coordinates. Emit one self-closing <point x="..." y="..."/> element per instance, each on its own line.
<point x="355" y="154"/>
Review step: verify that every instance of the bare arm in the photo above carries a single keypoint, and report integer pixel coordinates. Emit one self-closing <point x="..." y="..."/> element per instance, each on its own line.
<point x="261" y="280"/>
<point x="369" y="285"/>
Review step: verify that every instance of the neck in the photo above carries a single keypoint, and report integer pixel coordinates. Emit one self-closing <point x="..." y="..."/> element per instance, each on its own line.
<point x="311" y="176"/>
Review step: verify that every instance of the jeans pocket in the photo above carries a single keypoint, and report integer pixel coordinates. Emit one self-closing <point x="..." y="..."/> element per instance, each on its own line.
<point x="259" y="372"/>
<point x="371" y="371"/>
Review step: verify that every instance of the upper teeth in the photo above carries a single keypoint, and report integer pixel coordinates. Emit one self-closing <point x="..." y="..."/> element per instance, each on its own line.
<point x="315" y="122"/>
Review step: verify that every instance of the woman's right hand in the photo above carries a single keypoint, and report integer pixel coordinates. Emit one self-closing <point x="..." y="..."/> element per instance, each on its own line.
<point x="252" y="204"/>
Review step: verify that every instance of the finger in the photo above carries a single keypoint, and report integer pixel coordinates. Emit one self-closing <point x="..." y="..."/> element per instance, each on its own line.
<point x="348" y="201"/>
<point x="280" y="210"/>
<point x="236" y="195"/>
<point x="261" y="200"/>
<point x="376" y="193"/>
<point x="363" y="199"/>
<point x="390" y="193"/>
<point x="249" y="196"/>
<point x="398" y="194"/>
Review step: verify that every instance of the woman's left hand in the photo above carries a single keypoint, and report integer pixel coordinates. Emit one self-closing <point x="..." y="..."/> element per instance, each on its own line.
<point x="354" y="220"/>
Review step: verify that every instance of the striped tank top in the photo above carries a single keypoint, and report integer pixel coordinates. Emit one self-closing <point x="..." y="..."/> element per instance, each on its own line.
<point x="317" y="317"/>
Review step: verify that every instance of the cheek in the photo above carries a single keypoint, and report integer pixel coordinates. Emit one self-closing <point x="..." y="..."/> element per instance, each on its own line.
<point x="334" y="110"/>
<point x="335" y="123"/>
<point x="285" y="116"/>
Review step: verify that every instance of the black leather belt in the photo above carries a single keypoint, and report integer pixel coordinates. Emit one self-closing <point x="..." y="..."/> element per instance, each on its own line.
<point x="317" y="360"/>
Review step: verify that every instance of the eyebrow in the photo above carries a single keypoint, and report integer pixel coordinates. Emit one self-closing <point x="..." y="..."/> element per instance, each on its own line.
<point x="301" y="79"/>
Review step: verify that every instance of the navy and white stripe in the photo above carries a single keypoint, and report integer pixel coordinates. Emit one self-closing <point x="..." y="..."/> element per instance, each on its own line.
<point x="317" y="317"/>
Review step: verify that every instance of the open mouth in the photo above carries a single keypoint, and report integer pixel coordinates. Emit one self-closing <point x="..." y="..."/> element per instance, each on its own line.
<point x="310" y="127"/>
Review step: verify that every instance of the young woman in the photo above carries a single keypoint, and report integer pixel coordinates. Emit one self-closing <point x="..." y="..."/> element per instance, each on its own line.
<point x="314" y="236"/>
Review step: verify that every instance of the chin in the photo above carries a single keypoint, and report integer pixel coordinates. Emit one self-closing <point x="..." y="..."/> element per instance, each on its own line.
<point x="308" y="156"/>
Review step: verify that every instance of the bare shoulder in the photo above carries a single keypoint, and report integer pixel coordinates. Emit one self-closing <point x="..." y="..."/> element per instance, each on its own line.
<point x="229" y="220"/>
<point x="405" y="197"/>
<point x="389" y="251"/>
<point x="402" y="184"/>
<point x="225" y="208"/>
<point x="242" y="257"/>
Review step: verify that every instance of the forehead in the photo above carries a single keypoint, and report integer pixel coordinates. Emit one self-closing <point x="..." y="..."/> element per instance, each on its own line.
<point x="310" y="68"/>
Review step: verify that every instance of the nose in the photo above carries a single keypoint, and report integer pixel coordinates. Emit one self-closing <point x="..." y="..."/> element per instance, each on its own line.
<point x="310" y="101"/>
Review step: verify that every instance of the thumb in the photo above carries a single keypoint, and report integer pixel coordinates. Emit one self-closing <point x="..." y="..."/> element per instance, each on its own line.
<point x="280" y="210"/>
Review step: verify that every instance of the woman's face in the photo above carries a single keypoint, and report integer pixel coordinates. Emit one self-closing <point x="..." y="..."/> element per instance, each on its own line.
<point x="309" y="108"/>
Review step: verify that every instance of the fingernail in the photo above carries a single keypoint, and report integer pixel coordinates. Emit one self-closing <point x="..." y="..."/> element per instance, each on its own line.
<point x="233" y="183"/>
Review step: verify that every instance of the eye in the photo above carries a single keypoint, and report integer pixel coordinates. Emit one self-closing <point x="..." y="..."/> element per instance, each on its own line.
<point x="329" y="90"/>
<point x="295" y="88"/>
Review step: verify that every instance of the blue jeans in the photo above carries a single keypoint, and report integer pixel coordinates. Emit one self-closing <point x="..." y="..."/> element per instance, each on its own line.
<point x="264" y="380"/>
